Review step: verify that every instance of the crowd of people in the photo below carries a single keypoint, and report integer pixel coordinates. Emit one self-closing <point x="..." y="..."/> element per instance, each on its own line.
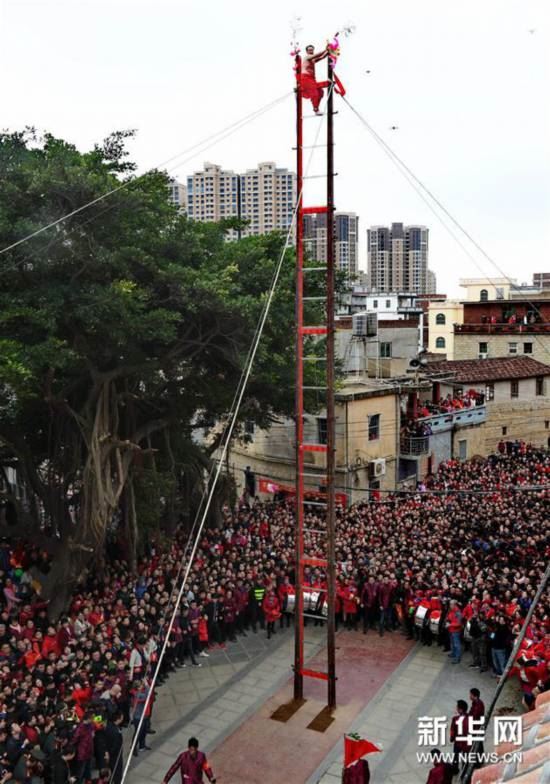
<point x="451" y="403"/>
<point x="471" y="546"/>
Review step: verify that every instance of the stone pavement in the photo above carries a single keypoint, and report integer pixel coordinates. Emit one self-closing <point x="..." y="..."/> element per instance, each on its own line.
<point x="287" y="753"/>
<point x="228" y="702"/>
<point x="214" y="700"/>
<point x="426" y="684"/>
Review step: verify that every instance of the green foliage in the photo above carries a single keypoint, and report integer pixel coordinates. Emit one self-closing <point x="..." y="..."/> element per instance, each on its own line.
<point x="126" y="307"/>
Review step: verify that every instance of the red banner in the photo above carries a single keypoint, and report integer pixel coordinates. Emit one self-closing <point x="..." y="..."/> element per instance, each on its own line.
<point x="355" y="748"/>
<point x="268" y="486"/>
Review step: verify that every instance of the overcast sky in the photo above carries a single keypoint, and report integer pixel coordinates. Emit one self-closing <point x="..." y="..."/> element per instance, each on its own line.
<point x="467" y="84"/>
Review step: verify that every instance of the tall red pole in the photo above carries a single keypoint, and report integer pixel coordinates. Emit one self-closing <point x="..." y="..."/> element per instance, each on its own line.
<point x="299" y="414"/>
<point x="330" y="401"/>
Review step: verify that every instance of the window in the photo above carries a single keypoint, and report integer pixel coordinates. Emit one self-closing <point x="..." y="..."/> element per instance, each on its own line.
<point x="483" y="348"/>
<point x="322" y="430"/>
<point x="385" y="350"/>
<point x="440" y="342"/>
<point x="388" y="304"/>
<point x="374" y="427"/>
<point x="514" y="388"/>
<point x="490" y="392"/>
<point x="500" y="293"/>
<point x="462" y="449"/>
<point x="540" y="385"/>
<point x="512" y="348"/>
<point x="249" y="427"/>
<point x="504" y="431"/>
<point x="375" y="303"/>
<point x="483" y="295"/>
<point x="527" y="348"/>
<point x="440" y="318"/>
<point x="547" y="423"/>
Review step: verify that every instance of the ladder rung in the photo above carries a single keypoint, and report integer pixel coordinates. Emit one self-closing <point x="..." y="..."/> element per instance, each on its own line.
<point x="314" y="562"/>
<point x="313" y="269"/>
<point x="314" y="503"/>
<point x="314" y="330"/>
<point x="320" y="477"/>
<point x="313" y="531"/>
<point x="317" y="176"/>
<point x="312" y="615"/>
<point x="322" y="676"/>
<point x="314" y="359"/>
<point x="317" y="114"/>
<point x="313" y="447"/>
<point x="313" y="210"/>
<point x="313" y="299"/>
<point x="319" y="389"/>
<point x="310" y="146"/>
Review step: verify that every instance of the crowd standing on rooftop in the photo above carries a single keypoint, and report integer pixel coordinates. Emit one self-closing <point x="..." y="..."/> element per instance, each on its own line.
<point x="457" y="563"/>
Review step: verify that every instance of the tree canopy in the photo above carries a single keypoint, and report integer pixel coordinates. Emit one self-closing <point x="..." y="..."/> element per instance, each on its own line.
<point x="122" y="328"/>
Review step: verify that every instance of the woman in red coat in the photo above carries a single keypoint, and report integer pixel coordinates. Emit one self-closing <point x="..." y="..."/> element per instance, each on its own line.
<point x="272" y="610"/>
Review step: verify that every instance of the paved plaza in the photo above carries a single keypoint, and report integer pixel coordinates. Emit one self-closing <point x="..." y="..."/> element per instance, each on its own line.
<point x="384" y="685"/>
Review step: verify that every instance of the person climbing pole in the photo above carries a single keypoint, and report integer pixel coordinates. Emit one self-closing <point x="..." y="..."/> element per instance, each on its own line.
<point x="308" y="82"/>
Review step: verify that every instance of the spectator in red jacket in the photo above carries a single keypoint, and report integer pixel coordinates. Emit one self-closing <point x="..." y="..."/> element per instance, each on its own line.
<point x="442" y="772"/>
<point x="192" y="765"/>
<point x="385" y="602"/>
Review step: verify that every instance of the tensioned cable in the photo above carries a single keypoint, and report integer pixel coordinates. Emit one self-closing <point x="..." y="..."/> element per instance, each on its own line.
<point x="412" y="178"/>
<point x="217" y="140"/>
<point x="229" y="434"/>
<point x="222" y="133"/>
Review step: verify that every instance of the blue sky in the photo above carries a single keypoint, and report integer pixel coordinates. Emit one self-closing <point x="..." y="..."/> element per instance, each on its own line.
<point x="467" y="84"/>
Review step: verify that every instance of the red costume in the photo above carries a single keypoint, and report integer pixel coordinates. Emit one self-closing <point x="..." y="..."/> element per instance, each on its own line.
<point x="271" y="607"/>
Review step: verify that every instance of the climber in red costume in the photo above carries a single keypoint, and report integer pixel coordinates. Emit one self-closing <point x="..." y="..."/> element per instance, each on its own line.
<point x="310" y="88"/>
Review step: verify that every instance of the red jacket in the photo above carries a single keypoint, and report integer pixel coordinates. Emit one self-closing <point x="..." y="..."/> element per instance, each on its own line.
<point x="351" y="600"/>
<point x="191" y="769"/>
<point x="271" y="607"/>
<point x="441" y="773"/>
<point x="370" y="594"/>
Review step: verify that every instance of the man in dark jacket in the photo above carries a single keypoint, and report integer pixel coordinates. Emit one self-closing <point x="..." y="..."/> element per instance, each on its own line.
<point x="113" y="743"/>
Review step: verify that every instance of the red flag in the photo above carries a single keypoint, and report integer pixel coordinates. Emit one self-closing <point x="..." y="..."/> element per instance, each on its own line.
<point x="355" y="748"/>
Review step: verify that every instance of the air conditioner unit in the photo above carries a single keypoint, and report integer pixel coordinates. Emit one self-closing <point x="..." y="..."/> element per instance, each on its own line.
<point x="483" y="355"/>
<point x="377" y="467"/>
<point x="365" y="325"/>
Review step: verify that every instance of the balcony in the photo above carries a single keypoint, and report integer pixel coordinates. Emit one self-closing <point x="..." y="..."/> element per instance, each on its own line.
<point x="462" y="417"/>
<point x="502" y="329"/>
<point x="414" y="446"/>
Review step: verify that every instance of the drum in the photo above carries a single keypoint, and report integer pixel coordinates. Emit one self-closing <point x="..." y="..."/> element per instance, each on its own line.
<point x="420" y="616"/>
<point x="435" y="621"/>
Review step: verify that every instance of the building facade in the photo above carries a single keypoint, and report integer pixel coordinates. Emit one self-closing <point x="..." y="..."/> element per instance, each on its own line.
<point x="177" y="194"/>
<point x="398" y="258"/>
<point x="367" y="439"/>
<point x="504" y="328"/>
<point x="442" y="317"/>
<point x="264" y="197"/>
<point x="346" y="241"/>
<point x="516" y="397"/>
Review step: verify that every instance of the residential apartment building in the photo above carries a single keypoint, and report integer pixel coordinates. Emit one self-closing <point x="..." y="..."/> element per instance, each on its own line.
<point x="541" y="280"/>
<point x="516" y="396"/>
<point x="265" y="197"/>
<point x="398" y="258"/>
<point x="346" y="241"/>
<point x="177" y="194"/>
<point x="504" y="328"/>
<point x="367" y="437"/>
<point x="442" y="318"/>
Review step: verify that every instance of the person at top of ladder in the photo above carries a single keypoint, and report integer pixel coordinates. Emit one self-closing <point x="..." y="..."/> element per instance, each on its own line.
<point x="310" y="88"/>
